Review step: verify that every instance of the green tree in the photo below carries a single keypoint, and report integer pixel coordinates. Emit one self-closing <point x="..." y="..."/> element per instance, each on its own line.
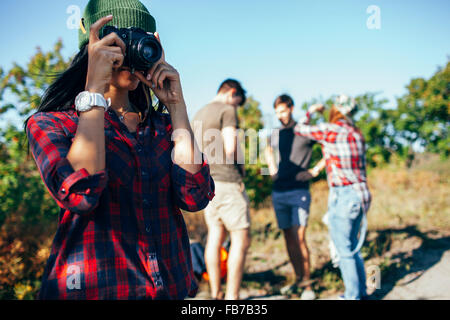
<point x="28" y="214"/>
<point x="21" y="187"/>
<point x="422" y="118"/>
<point x="376" y="123"/>
<point x="258" y="186"/>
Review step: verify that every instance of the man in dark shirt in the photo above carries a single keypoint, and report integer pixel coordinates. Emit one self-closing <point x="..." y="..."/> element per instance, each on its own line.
<point x="289" y="156"/>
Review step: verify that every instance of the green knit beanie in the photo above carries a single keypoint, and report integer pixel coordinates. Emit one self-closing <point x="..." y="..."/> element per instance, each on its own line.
<point x="126" y="13"/>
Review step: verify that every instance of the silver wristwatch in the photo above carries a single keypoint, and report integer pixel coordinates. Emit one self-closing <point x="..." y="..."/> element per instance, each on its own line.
<point x="86" y="100"/>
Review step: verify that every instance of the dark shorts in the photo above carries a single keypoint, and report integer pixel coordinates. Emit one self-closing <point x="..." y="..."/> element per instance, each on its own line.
<point x="291" y="207"/>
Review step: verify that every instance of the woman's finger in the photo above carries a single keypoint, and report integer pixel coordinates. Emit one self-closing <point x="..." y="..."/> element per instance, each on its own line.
<point x="155" y="66"/>
<point x="115" y="58"/>
<point x="95" y="28"/>
<point x="163" y="75"/>
<point x="114" y="49"/>
<point x="156" y="72"/>
<point x="114" y="39"/>
<point x="152" y="69"/>
<point x="142" y="78"/>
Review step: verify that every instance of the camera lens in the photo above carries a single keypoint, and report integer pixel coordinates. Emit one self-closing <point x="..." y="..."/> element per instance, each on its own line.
<point x="143" y="49"/>
<point x="148" y="52"/>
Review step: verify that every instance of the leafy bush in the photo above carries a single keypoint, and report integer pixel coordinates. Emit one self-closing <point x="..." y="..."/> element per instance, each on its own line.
<point x="28" y="214"/>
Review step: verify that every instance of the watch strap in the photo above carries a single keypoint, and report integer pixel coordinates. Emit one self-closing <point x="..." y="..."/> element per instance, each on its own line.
<point x="94" y="100"/>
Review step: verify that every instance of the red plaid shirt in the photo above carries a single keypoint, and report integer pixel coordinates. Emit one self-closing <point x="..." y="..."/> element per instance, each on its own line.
<point x="343" y="148"/>
<point x="121" y="234"/>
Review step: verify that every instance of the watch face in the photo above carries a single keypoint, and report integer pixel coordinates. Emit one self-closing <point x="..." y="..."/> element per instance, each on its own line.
<point x="82" y="102"/>
<point x="84" y="99"/>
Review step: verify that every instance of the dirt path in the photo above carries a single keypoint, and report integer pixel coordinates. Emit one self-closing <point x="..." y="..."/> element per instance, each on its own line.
<point x="430" y="284"/>
<point x="433" y="283"/>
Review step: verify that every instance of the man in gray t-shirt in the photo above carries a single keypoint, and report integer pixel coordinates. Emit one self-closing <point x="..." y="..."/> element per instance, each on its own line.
<point x="215" y="128"/>
<point x="214" y="117"/>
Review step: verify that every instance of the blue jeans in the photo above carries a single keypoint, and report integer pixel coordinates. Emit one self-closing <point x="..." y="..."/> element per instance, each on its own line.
<point x="345" y="214"/>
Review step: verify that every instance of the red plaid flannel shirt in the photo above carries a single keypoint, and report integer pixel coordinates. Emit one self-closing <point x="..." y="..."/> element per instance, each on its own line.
<point x="121" y="234"/>
<point x="343" y="148"/>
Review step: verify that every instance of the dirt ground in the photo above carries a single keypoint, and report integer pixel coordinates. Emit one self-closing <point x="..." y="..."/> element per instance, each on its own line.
<point x="413" y="265"/>
<point x="403" y="262"/>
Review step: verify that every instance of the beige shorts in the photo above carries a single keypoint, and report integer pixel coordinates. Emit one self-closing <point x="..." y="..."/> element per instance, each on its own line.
<point x="229" y="207"/>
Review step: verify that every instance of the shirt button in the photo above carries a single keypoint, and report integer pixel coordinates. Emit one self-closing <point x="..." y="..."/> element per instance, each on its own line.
<point x="148" y="229"/>
<point x="158" y="283"/>
<point x="145" y="202"/>
<point x="63" y="190"/>
<point x="144" y="173"/>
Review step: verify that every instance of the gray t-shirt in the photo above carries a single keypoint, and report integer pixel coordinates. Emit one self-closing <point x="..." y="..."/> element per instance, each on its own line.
<point x="213" y="118"/>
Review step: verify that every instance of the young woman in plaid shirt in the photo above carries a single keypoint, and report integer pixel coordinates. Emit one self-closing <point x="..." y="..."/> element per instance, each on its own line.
<point x="349" y="198"/>
<point x="121" y="234"/>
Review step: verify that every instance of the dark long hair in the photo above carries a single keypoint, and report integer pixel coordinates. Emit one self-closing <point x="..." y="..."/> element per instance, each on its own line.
<point x="61" y="94"/>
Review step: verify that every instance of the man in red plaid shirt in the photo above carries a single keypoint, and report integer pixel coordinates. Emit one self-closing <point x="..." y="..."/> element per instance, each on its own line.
<point x="120" y="171"/>
<point x="343" y="148"/>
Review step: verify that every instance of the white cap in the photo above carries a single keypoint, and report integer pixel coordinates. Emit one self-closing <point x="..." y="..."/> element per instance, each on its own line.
<point x="345" y="104"/>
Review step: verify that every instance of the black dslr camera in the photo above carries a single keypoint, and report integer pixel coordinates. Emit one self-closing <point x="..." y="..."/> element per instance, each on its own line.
<point x="143" y="49"/>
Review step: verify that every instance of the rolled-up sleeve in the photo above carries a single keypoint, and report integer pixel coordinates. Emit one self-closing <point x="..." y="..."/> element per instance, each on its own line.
<point x="192" y="191"/>
<point x="317" y="133"/>
<point x="77" y="191"/>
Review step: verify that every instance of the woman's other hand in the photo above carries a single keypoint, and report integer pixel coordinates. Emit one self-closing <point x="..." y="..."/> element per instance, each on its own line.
<point x="165" y="82"/>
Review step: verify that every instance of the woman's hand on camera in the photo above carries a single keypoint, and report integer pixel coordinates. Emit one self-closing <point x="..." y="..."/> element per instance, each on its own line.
<point x="165" y="82"/>
<point x="104" y="55"/>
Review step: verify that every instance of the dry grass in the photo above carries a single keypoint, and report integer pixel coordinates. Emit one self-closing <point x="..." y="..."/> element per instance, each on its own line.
<point x="410" y="197"/>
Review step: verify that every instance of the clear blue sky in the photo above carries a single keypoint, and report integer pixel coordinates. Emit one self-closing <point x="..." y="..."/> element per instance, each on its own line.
<point x="305" y="48"/>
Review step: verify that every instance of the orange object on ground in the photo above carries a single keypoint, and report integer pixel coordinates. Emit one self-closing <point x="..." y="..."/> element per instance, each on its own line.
<point x="223" y="265"/>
